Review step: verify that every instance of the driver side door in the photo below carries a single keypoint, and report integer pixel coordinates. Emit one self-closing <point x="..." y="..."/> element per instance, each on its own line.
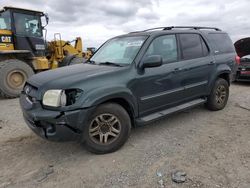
<point x="158" y="88"/>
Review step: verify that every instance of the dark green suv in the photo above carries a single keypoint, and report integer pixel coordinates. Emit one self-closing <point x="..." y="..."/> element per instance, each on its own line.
<point x="131" y="80"/>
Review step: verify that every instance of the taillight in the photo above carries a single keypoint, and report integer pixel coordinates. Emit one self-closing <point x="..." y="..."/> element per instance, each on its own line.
<point x="237" y="59"/>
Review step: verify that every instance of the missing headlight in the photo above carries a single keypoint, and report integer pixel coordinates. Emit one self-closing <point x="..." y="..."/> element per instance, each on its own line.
<point x="72" y="96"/>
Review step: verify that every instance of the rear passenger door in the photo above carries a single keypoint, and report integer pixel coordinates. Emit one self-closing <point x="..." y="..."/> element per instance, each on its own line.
<point x="195" y="66"/>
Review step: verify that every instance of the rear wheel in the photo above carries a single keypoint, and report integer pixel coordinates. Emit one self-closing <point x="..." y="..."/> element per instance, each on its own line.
<point x="107" y="129"/>
<point x="218" y="98"/>
<point x="13" y="75"/>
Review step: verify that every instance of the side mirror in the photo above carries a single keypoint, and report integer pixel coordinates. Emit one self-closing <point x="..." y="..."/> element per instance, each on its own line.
<point x="47" y="18"/>
<point x="152" y="61"/>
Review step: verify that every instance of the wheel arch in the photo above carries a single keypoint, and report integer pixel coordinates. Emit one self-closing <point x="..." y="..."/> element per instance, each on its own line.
<point x="225" y="76"/>
<point x="224" y="72"/>
<point x="119" y="95"/>
<point x="125" y="104"/>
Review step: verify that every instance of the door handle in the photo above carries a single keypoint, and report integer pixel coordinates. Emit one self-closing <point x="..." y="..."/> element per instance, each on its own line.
<point x="211" y="62"/>
<point x="177" y="69"/>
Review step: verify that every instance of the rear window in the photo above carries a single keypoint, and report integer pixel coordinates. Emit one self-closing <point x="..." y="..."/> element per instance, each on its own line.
<point x="221" y="43"/>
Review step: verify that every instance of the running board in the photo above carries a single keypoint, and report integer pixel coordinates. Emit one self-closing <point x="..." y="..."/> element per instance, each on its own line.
<point x="161" y="114"/>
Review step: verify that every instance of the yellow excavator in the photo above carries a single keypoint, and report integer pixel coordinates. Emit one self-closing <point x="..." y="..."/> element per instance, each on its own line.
<point x="24" y="50"/>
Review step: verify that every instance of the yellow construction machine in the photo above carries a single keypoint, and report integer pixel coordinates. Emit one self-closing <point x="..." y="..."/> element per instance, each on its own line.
<point x="25" y="51"/>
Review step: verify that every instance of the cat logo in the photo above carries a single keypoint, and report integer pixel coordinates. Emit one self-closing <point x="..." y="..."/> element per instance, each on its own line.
<point x="6" y="39"/>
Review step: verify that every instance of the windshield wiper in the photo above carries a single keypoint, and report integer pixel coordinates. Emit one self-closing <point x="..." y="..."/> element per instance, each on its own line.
<point x="90" y="61"/>
<point x="110" y="63"/>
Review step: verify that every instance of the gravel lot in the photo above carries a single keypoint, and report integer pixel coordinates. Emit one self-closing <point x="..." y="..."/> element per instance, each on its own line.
<point x="213" y="148"/>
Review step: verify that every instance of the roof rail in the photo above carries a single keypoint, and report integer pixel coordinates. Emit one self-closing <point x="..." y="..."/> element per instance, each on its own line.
<point x="177" y="27"/>
<point x="151" y="29"/>
<point x="191" y="27"/>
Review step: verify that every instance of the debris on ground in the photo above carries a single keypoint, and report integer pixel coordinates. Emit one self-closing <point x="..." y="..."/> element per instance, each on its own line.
<point x="179" y="176"/>
<point x="2" y="122"/>
<point x="161" y="183"/>
<point x="242" y="107"/>
<point x="159" y="174"/>
<point x="44" y="173"/>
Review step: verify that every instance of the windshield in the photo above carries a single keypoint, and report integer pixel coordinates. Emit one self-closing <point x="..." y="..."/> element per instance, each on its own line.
<point x="27" y="25"/>
<point x="121" y="50"/>
<point x="5" y="20"/>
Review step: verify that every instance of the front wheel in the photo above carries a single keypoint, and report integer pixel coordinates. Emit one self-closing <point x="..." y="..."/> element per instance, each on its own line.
<point x="107" y="129"/>
<point x="218" y="97"/>
<point x="13" y="75"/>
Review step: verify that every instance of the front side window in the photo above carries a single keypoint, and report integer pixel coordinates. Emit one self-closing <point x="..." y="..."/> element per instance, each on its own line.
<point x="165" y="46"/>
<point x="5" y="20"/>
<point x="120" y="50"/>
<point x="27" y="25"/>
<point x="192" y="46"/>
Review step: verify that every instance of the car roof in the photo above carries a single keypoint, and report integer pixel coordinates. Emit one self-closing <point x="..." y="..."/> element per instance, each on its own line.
<point x="174" y="30"/>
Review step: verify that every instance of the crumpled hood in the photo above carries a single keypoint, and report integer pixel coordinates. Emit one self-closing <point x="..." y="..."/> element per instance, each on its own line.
<point x="69" y="74"/>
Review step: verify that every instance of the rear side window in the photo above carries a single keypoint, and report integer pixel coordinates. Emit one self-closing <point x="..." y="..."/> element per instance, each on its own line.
<point x="193" y="46"/>
<point x="221" y="43"/>
<point x="164" y="46"/>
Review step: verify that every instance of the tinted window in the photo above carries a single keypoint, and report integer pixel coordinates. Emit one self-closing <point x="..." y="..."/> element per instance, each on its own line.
<point x="221" y="43"/>
<point x="193" y="46"/>
<point x="164" y="46"/>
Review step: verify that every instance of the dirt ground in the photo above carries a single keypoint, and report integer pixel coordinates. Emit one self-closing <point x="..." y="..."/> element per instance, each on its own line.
<point x="213" y="148"/>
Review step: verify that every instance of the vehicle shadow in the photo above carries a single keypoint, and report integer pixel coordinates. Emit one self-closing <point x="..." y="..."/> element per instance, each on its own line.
<point x="242" y="83"/>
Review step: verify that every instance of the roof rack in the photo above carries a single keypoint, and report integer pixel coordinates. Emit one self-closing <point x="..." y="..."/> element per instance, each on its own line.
<point x="191" y="27"/>
<point x="178" y="27"/>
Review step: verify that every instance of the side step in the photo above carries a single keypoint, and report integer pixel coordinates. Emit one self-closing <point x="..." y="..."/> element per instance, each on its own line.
<point x="158" y="115"/>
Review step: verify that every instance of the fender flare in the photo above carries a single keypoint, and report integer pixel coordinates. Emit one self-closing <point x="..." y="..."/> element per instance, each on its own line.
<point x="221" y="69"/>
<point x="103" y="94"/>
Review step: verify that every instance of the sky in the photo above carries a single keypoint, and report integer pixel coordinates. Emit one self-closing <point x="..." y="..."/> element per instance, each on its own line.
<point x="98" y="20"/>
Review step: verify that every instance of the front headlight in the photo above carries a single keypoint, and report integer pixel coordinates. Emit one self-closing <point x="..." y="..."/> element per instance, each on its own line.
<point x="59" y="98"/>
<point x="55" y="98"/>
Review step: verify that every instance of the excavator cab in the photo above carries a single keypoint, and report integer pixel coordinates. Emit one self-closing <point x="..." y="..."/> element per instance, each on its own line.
<point x="23" y="29"/>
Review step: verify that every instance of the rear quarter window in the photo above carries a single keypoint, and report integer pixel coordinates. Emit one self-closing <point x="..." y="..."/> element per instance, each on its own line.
<point x="221" y="43"/>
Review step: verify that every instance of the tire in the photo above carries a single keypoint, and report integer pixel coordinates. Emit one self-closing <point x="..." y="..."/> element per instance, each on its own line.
<point x="71" y="60"/>
<point x="117" y="129"/>
<point x="218" y="97"/>
<point x="13" y="75"/>
<point x="66" y="60"/>
<point x="77" y="60"/>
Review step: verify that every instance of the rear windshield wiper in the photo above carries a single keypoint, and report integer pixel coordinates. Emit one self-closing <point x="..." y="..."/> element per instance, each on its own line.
<point x="110" y="63"/>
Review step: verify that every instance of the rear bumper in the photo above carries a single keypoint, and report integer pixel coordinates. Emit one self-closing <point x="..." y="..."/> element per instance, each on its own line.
<point x="243" y="73"/>
<point x="53" y="125"/>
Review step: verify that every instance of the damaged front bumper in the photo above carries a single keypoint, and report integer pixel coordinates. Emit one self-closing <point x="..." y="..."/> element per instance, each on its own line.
<point x="53" y="125"/>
